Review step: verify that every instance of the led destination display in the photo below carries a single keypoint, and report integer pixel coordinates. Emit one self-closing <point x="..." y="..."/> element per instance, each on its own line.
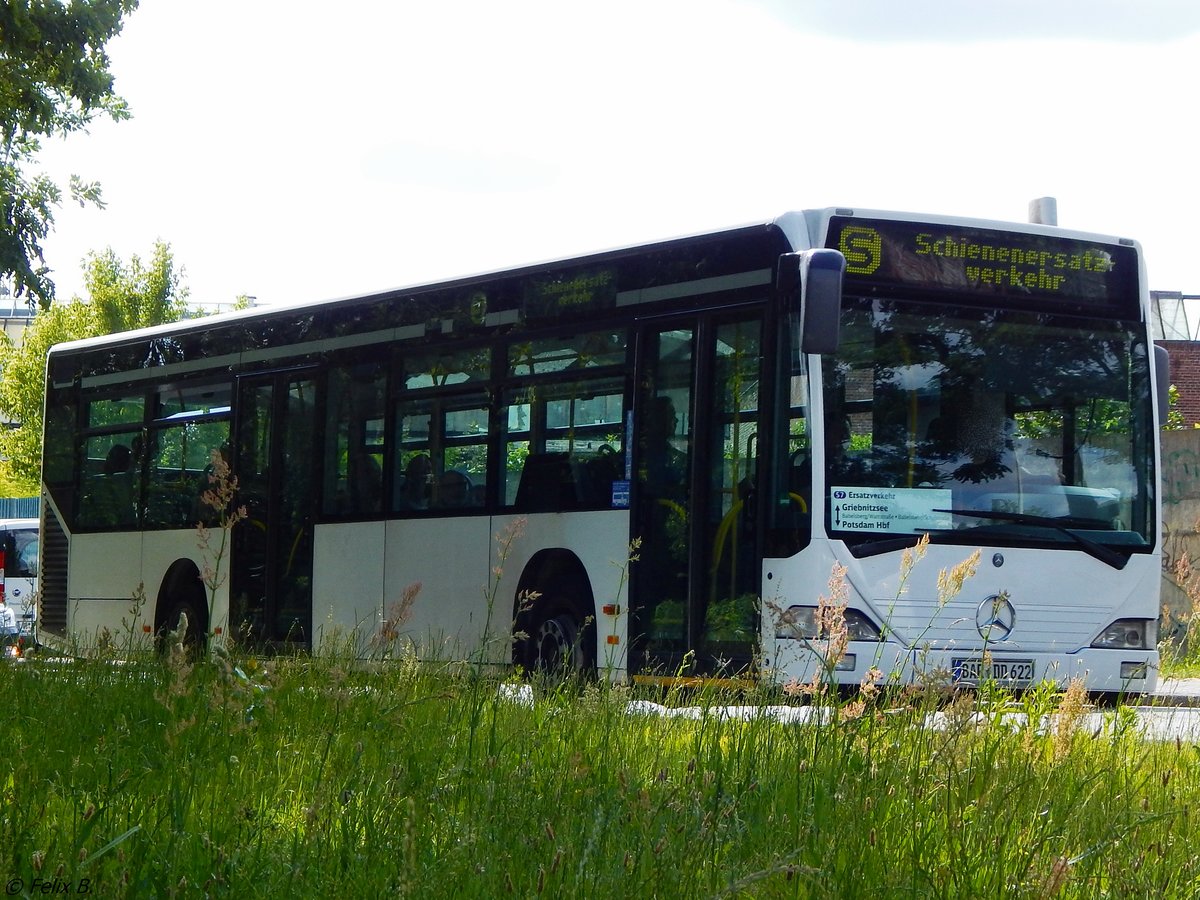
<point x="993" y="264"/>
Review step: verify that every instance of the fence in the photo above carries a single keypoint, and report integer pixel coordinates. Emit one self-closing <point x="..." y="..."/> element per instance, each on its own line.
<point x="19" y="507"/>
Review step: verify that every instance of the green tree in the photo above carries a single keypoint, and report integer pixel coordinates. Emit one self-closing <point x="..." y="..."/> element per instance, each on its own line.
<point x="122" y="297"/>
<point x="1175" y="420"/>
<point x="137" y="295"/>
<point x="54" y="81"/>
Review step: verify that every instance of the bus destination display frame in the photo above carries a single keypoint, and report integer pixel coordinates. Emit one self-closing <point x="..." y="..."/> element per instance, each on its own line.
<point x="1020" y="268"/>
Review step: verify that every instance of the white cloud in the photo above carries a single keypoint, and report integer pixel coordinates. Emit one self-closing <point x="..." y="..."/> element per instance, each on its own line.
<point x="995" y="20"/>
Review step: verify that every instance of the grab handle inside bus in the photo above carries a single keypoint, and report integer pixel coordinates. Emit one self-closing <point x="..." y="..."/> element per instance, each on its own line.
<point x="817" y="274"/>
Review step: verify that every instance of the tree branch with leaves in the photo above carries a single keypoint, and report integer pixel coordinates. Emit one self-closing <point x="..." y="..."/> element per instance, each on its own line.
<point x="122" y="296"/>
<point x="54" y="81"/>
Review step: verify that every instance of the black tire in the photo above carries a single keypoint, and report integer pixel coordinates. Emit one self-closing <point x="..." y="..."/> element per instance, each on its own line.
<point x="556" y="644"/>
<point x="194" y="637"/>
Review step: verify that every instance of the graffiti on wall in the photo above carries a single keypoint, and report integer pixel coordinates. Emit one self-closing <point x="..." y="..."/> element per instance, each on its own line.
<point x="1180" y="526"/>
<point x="1181" y="475"/>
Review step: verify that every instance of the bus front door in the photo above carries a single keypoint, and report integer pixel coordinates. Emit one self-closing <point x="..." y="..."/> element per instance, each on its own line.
<point x="271" y="558"/>
<point x="694" y="589"/>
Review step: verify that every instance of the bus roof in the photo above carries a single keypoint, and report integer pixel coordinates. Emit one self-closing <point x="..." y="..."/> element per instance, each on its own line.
<point x="802" y="229"/>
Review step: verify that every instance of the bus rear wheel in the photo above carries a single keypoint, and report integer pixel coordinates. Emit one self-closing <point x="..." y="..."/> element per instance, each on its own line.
<point x="184" y="624"/>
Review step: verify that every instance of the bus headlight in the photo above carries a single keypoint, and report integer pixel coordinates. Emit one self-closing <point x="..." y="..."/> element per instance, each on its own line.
<point x="797" y="622"/>
<point x="860" y="628"/>
<point x="1123" y="634"/>
<point x="800" y="623"/>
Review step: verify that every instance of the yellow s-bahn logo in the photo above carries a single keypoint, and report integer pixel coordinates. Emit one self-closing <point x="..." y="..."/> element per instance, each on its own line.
<point x="863" y="249"/>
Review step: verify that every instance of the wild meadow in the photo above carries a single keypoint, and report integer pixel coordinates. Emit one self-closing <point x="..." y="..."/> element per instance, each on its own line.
<point x="236" y="776"/>
<point x="136" y="773"/>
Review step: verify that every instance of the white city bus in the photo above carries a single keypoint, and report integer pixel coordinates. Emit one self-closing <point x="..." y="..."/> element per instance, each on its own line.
<point x="752" y="408"/>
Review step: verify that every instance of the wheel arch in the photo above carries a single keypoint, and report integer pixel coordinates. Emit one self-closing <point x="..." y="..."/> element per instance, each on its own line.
<point x="181" y="583"/>
<point x="560" y="582"/>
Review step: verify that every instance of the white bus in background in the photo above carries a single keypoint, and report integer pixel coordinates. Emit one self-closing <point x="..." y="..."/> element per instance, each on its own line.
<point x="18" y="584"/>
<point x="755" y="406"/>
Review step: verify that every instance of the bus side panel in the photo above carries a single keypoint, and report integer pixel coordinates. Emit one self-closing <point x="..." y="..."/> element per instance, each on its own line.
<point x="448" y="558"/>
<point x="102" y="576"/>
<point x="348" y="581"/>
<point x="600" y="540"/>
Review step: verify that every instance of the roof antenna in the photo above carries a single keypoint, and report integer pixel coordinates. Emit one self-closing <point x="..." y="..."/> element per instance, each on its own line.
<point x="1043" y="211"/>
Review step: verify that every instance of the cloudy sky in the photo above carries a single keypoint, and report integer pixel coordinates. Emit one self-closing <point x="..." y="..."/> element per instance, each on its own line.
<point x="294" y="150"/>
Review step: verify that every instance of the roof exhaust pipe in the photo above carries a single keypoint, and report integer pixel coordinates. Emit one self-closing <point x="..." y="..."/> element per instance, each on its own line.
<point x="1043" y="211"/>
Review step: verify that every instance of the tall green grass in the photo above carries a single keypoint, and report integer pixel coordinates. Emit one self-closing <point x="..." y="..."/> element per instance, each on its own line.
<point x="236" y="777"/>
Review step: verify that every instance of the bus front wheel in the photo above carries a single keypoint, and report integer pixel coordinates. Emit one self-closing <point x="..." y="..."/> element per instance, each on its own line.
<point x="556" y="644"/>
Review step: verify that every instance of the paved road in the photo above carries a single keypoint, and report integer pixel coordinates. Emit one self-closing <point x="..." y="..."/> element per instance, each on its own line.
<point x="1177" y="692"/>
<point x="1171" y="713"/>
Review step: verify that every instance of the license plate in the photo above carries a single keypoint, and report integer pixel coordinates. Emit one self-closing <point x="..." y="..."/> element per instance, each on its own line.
<point x="1002" y="671"/>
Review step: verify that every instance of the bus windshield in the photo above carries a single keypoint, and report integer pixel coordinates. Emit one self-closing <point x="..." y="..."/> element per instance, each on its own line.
<point x="1039" y="423"/>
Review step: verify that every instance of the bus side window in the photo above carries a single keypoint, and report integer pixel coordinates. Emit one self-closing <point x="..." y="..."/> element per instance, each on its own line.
<point x="515" y="419"/>
<point x="563" y="444"/>
<point x="441" y="453"/>
<point x="177" y="470"/>
<point x="108" y="496"/>
<point x="547" y="484"/>
<point x="564" y="411"/>
<point x="463" y="434"/>
<point x="354" y="429"/>
<point x="27" y="554"/>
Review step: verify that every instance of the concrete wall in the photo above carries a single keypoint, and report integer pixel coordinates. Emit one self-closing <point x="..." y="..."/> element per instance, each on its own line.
<point x="1181" y="510"/>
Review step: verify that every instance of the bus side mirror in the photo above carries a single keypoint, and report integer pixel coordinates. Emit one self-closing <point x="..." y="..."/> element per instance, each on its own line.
<point x="1162" y="381"/>
<point x="812" y="280"/>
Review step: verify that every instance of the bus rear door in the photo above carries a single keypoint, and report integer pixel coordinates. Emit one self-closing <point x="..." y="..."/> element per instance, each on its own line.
<point x="272" y="553"/>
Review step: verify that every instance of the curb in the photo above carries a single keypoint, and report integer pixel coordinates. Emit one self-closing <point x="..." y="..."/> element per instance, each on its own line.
<point x="1175" y="692"/>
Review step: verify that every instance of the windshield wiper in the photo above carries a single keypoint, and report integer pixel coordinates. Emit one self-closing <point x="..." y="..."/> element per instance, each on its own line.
<point x="1106" y="555"/>
<point x="886" y="545"/>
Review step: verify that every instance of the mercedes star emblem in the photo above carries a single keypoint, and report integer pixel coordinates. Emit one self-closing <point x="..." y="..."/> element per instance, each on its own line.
<point x="995" y="618"/>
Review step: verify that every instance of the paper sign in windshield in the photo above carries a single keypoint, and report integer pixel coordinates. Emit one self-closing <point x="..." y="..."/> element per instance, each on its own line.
<point x="896" y="510"/>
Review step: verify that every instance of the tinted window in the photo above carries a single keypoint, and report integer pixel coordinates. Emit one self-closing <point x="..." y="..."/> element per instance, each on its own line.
<point x="26" y="564"/>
